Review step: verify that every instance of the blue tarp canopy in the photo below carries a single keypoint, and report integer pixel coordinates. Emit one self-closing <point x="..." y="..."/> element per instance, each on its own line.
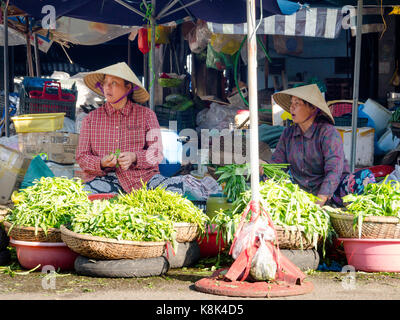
<point x="113" y="12"/>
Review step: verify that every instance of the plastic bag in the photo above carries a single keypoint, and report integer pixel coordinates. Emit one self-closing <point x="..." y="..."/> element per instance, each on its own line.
<point x="263" y="266"/>
<point x="226" y="43"/>
<point x="218" y="60"/>
<point x="247" y="235"/>
<point x="37" y="169"/>
<point x="199" y="37"/>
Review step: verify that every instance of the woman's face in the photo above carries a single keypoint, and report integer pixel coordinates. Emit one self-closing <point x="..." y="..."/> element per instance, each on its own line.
<point x="300" y="110"/>
<point x="114" y="88"/>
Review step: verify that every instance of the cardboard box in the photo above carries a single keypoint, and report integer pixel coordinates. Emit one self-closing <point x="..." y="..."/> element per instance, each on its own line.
<point x="60" y="147"/>
<point x="13" y="166"/>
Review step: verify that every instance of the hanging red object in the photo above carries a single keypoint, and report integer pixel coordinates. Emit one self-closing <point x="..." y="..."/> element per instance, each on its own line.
<point x="143" y="42"/>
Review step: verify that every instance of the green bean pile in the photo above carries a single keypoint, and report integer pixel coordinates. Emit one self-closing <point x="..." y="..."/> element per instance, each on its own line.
<point x="160" y="202"/>
<point x="114" y="220"/>
<point x="377" y="200"/>
<point x="48" y="203"/>
<point x="287" y="204"/>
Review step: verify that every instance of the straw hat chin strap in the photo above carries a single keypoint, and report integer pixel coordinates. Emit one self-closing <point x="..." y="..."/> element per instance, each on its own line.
<point x="99" y="86"/>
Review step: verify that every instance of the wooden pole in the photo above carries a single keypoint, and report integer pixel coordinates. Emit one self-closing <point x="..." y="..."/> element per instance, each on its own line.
<point x="37" y="58"/>
<point x="28" y="49"/>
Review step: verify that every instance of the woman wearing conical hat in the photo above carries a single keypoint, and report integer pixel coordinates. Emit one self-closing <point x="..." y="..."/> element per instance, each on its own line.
<point x="314" y="148"/>
<point x="120" y="142"/>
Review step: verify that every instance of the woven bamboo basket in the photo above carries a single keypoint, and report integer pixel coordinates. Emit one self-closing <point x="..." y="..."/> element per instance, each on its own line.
<point x="292" y="238"/>
<point x="186" y="232"/>
<point x="110" y="249"/>
<point x="28" y="233"/>
<point x="371" y="228"/>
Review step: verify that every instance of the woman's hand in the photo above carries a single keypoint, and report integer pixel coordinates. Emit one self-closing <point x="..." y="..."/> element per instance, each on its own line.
<point x="322" y="200"/>
<point x="108" y="161"/>
<point x="126" y="159"/>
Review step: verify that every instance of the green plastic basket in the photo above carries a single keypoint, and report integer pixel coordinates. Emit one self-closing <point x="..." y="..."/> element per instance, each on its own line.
<point x="170" y="82"/>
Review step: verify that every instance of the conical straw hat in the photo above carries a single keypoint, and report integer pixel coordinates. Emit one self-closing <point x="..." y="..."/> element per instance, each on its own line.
<point x="309" y="93"/>
<point x="120" y="70"/>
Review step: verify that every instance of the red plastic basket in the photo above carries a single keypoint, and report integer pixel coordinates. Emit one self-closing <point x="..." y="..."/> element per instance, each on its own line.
<point x="49" y="99"/>
<point x="60" y="96"/>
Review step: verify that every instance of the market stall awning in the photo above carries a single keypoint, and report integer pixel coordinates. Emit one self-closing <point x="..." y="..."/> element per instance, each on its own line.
<point x="307" y="22"/>
<point x="116" y="12"/>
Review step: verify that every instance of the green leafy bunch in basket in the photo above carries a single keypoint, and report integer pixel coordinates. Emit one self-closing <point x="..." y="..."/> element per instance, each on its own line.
<point x="48" y="203"/>
<point x="381" y="199"/>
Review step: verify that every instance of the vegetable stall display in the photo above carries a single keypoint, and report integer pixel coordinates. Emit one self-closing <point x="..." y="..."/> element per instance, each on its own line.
<point x="114" y="220"/>
<point x="48" y="203"/>
<point x="370" y="215"/>
<point x="289" y="207"/>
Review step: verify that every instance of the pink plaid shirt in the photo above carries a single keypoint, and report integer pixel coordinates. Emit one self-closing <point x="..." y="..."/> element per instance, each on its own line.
<point x="133" y="128"/>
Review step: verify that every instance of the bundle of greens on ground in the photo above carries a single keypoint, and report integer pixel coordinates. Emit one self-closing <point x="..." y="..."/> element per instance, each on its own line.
<point x="288" y="206"/>
<point x="236" y="176"/>
<point x="114" y="220"/>
<point x="377" y="200"/>
<point x="48" y="203"/>
<point x="160" y="202"/>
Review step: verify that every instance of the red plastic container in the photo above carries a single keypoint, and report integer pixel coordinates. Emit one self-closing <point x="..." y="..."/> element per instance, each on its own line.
<point x="210" y="248"/>
<point x="60" y="96"/>
<point x="101" y="196"/>
<point x="56" y="254"/>
<point x="381" y="170"/>
<point x="373" y="255"/>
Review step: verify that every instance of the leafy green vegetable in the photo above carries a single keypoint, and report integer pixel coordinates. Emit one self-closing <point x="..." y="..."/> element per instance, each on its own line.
<point x="287" y="204"/>
<point x="122" y="222"/>
<point x="235" y="177"/>
<point x="49" y="203"/>
<point x="377" y="200"/>
<point x="160" y="202"/>
<point x="116" y="154"/>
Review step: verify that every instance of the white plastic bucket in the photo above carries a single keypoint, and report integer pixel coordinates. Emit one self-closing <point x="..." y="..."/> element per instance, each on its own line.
<point x="387" y="142"/>
<point x="378" y="114"/>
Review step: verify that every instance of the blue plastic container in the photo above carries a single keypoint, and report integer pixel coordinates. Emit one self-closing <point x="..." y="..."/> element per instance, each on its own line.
<point x="172" y="151"/>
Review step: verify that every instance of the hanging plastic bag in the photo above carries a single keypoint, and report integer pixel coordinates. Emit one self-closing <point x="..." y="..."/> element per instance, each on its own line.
<point x="162" y="34"/>
<point x="199" y="37"/>
<point x="143" y="42"/>
<point x="226" y="43"/>
<point x="248" y="234"/>
<point x="217" y="60"/>
<point x="263" y="265"/>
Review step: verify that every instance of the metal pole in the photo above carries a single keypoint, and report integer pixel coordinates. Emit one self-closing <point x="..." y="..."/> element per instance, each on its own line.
<point x="153" y="54"/>
<point x="6" y="80"/>
<point x="253" y="99"/>
<point x="356" y="83"/>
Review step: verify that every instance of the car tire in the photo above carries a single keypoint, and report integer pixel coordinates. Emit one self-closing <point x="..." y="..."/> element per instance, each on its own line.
<point x="4" y="239"/>
<point x="5" y="257"/>
<point x="184" y="255"/>
<point x="303" y="259"/>
<point x="123" y="268"/>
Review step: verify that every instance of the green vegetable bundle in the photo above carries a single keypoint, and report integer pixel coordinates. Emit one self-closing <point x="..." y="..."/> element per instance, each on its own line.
<point x="236" y="176"/>
<point x="287" y="204"/>
<point x="160" y="202"/>
<point x="48" y="203"/>
<point x="377" y="200"/>
<point x="119" y="221"/>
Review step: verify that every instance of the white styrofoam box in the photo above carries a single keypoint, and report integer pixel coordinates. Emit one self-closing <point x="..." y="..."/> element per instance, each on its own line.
<point x="364" y="145"/>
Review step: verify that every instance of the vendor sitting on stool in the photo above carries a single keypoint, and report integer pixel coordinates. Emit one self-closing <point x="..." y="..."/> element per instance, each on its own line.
<point x="120" y="142"/>
<point x="314" y="148"/>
